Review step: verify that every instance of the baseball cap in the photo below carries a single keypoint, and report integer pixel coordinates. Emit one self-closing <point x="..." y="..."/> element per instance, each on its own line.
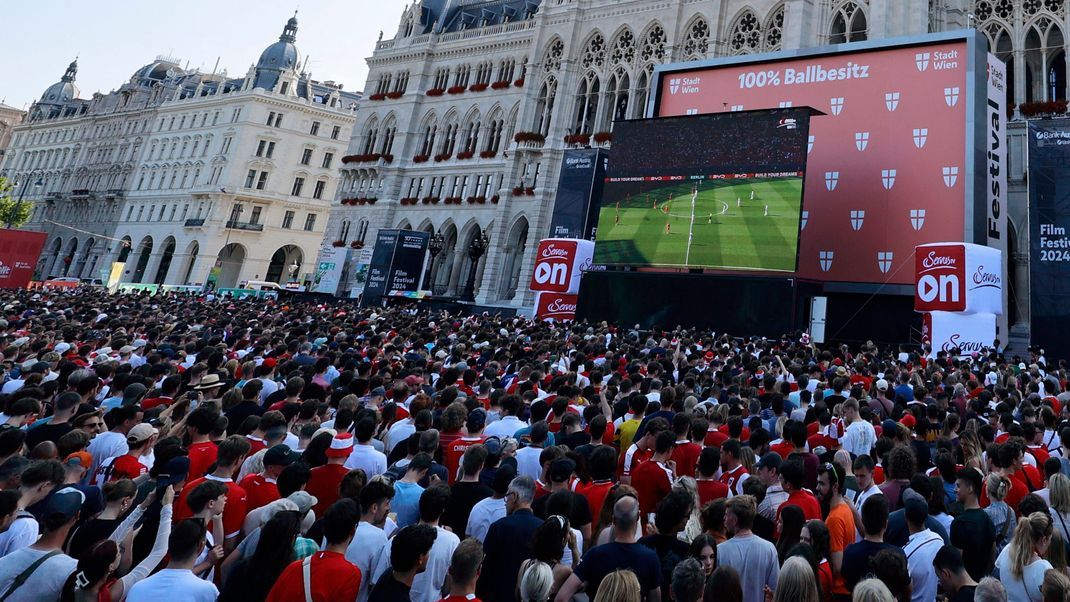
<point x="304" y="500"/>
<point x="133" y="393"/>
<point x="175" y="471"/>
<point x="493" y="445"/>
<point x="279" y="455"/>
<point x="379" y="392"/>
<point x="140" y="432"/>
<point x="66" y="503"/>
<point x="477" y="419"/>
<point x="341" y="445"/>
<point x="908" y="421"/>
<point x="79" y="458"/>
<point x="882" y="385"/>
<point x="771" y="460"/>
<point x="271" y="362"/>
<point x="413" y="380"/>
<point x="62" y="348"/>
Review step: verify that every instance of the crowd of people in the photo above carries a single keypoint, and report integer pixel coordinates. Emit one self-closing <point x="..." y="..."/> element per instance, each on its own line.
<point x="195" y="448"/>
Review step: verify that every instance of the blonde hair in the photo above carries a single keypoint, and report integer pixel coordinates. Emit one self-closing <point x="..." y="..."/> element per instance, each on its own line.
<point x="1056" y="586"/>
<point x="1059" y="486"/>
<point x="797" y="582"/>
<point x="536" y="582"/>
<point x="747" y="458"/>
<point x="619" y="586"/>
<point x="997" y="487"/>
<point x="872" y="590"/>
<point x="1057" y="551"/>
<point x="1030" y="530"/>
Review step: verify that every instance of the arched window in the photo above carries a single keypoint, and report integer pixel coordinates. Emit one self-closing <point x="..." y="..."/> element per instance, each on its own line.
<point x="848" y="24"/>
<point x="653" y="48"/>
<point x="746" y="34"/>
<point x="586" y="105"/>
<point x="623" y="48"/>
<point x="642" y="91"/>
<point x="551" y="60"/>
<point x="594" y="54"/>
<point x="615" y="102"/>
<point x="697" y="43"/>
<point x="1045" y="61"/>
<point x="544" y="105"/>
<point x="774" y="29"/>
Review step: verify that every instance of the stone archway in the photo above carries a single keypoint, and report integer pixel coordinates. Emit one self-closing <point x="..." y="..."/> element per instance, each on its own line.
<point x="165" y="260"/>
<point x="192" y="251"/>
<point x="513" y="262"/>
<point x="228" y="265"/>
<point x="142" y="255"/>
<point x="285" y="264"/>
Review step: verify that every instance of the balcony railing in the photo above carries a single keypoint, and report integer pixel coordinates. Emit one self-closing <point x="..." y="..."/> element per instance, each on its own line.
<point x="54" y="196"/>
<point x="196" y="222"/>
<point x="113" y="193"/>
<point x="236" y="225"/>
<point x="81" y="193"/>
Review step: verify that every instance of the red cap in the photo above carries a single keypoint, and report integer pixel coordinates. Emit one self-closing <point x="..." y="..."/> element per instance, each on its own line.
<point x="271" y="362"/>
<point x="341" y="446"/>
<point x="908" y="421"/>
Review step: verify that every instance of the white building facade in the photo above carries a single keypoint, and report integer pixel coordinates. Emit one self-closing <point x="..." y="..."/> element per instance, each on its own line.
<point x="472" y="104"/>
<point x="188" y="178"/>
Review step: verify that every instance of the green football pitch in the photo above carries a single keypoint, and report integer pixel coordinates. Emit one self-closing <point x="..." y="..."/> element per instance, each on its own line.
<point x="638" y="224"/>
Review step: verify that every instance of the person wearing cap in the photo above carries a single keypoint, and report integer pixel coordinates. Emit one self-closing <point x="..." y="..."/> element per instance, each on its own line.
<point x="921" y="550"/>
<point x="261" y="488"/>
<point x="454" y="450"/>
<point x="38" y="571"/>
<point x="880" y="404"/>
<point x="232" y="452"/>
<point x="325" y="479"/>
<point x="768" y="472"/>
<point x="139" y="440"/>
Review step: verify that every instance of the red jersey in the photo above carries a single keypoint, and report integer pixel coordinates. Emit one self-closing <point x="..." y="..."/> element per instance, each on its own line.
<point x="255" y="444"/>
<point x="324" y="484"/>
<point x="652" y="481"/>
<point x="744" y="436"/>
<point x="595" y="492"/>
<point x="783" y="449"/>
<point x="1014" y="495"/>
<point x="686" y="457"/>
<point x="805" y="501"/>
<point x="1040" y="453"/>
<point x="260" y="490"/>
<point x="709" y="491"/>
<point x="715" y="438"/>
<point x="233" y="513"/>
<point x="733" y="479"/>
<point x="878" y="475"/>
<point x="331" y="577"/>
<point x="632" y="459"/>
<point x="201" y="458"/>
<point x="453" y="452"/>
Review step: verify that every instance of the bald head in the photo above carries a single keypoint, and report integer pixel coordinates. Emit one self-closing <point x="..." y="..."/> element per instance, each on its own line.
<point x="626" y="514"/>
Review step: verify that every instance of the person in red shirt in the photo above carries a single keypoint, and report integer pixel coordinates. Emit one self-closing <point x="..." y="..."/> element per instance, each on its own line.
<point x="733" y="473"/>
<point x="232" y="453"/>
<point x="261" y="488"/>
<point x="792" y="474"/>
<point x="653" y="479"/>
<point x="330" y="575"/>
<point x="168" y="390"/>
<point x="465" y="567"/>
<point x="324" y="482"/>
<point x="735" y="429"/>
<point x="452" y="453"/>
<point x="685" y="455"/>
<point x="202" y="450"/>
<point x="601" y="466"/>
<point x="709" y="488"/>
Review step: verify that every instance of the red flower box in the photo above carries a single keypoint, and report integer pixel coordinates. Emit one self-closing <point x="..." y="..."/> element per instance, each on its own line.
<point x="395" y="95"/>
<point x="455" y="90"/>
<point x="529" y="191"/>
<point x="420" y="159"/>
<point x="519" y="83"/>
<point x="338" y="243"/>
<point x="387" y="158"/>
<point x="443" y="157"/>
<point x="408" y="201"/>
<point x="499" y="85"/>
<point x="529" y="137"/>
<point x="518" y="190"/>
<point x="350" y="159"/>
<point x="487" y="155"/>
<point x="356" y="244"/>
<point x="464" y="156"/>
<point x="478" y="87"/>
<point x="435" y="92"/>
<point x="494" y="199"/>
<point x="578" y="139"/>
<point x="603" y="137"/>
<point x="377" y="97"/>
<point x="481" y="200"/>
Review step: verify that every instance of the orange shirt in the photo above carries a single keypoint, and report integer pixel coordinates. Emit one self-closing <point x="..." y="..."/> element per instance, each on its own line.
<point x="841" y="526"/>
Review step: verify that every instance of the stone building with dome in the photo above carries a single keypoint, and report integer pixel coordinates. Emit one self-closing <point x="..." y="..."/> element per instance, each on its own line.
<point x="471" y="104"/>
<point x="185" y="176"/>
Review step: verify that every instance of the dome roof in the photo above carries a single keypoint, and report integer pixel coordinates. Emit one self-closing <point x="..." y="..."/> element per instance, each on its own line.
<point x="158" y="70"/>
<point x="278" y="57"/>
<point x="64" y="90"/>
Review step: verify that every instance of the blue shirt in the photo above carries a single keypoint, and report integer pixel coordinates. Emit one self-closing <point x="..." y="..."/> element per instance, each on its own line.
<point x="406" y="503"/>
<point x="904" y="392"/>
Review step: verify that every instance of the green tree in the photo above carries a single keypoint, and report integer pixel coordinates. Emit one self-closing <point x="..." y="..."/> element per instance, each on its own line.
<point x="11" y="213"/>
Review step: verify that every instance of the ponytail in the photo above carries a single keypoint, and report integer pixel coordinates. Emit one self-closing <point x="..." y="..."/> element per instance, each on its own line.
<point x="1031" y="529"/>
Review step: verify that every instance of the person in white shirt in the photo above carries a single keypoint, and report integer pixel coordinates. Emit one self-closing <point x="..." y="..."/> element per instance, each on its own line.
<point x="370" y="548"/>
<point x="863" y="470"/>
<point x="490" y="509"/>
<point x="43" y="565"/>
<point x="509" y="423"/>
<point x="364" y="456"/>
<point x="37" y="482"/>
<point x="527" y="458"/>
<point x="920" y="551"/>
<point x="112" y="443"/>
<point x="860" y="435"/>
<point x="185" y="545"/>
<point x="1021" y="564"/>
<point x="426" y="587"/>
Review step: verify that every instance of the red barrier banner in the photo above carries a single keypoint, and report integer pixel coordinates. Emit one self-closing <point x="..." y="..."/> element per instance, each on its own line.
<point x="19" y="252"/>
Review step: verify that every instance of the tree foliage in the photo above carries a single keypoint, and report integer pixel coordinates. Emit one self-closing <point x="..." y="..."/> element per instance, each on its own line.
<point x="11" y="213"/>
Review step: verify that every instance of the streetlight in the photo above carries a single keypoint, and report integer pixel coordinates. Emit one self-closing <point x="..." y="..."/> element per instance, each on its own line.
<point x="18" y="205"/>
<point x="476" y="249"/>
<point x="434" y="246"/>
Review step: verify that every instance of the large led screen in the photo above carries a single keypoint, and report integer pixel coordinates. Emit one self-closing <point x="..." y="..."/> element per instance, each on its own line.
<point x="721" y="191"/>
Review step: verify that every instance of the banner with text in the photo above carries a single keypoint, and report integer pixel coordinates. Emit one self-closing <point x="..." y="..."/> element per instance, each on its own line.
<point x="555" y="306"/>
<point x="956" y="276"/>
<point x="328" y="274"/>
<point x="960" y="334"/>
<point x="559" y="264"/>
<point x="1049" y="224"/>
<point x="996" y="210"/>
<point x="19" y="251"/>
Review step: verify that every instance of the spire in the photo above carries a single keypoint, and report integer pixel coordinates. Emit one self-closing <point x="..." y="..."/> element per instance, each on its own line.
<point x="289" y="33"/>
<point x="72" y="71"/>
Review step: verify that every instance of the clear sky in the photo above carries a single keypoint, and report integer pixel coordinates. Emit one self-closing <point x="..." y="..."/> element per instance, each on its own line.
<point x="113" y="38"/>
